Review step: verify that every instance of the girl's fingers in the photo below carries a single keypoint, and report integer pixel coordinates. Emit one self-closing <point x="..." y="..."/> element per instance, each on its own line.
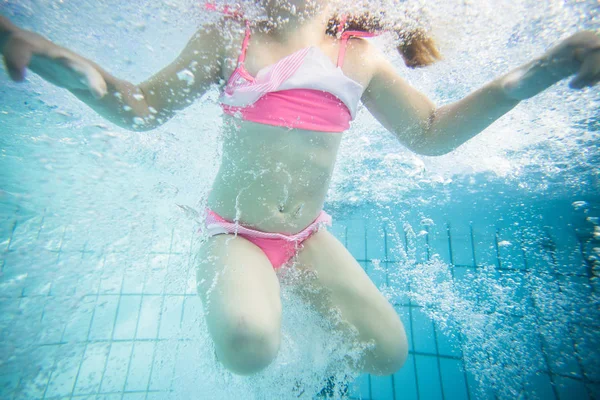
<point x="90" y="77"/>
<point x="588" y="73"/>
<point x="17" y="56"/>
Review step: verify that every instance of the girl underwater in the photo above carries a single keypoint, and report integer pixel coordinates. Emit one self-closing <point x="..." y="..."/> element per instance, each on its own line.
<point x="291" y="84"/>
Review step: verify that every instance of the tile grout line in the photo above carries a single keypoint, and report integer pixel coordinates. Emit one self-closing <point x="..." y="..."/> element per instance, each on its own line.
<point x="160" y="316"/>
<point x="412" y="333"/>
<point x="460" y="336"/>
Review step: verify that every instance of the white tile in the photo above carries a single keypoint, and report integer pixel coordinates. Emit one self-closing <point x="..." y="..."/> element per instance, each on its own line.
<point x="127" y="317"/>
<point x="164" y="365"/>
<point x="90" y="374"/>
<point x="149" y="317"/>
<point x="170" y="321"/>
<point x="54" y="319"/>
<point x="135" y="276"/>
<point x="141" y="363"/>
<point x="192" y="313"/>
<point x="104" y="318"/>
<point x="177" y="274"/>
<point x="63" y="376"/>
<point x="115" y="373"/>
<point x="78" y="325"/>
<point x="157" y="272"/>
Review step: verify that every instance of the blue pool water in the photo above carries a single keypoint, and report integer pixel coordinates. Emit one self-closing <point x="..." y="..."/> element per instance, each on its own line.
<point x="490" y="254"/>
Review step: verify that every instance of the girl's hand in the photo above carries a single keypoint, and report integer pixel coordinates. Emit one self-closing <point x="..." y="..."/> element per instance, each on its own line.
<point x="23" y="49"/>
<point x="578" y="54"/>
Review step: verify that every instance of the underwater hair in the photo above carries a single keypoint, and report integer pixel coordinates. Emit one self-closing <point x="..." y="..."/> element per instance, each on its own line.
<point x="416" y="46"/>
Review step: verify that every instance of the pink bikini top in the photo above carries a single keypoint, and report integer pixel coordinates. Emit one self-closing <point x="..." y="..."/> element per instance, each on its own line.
<point x="304" y="90"/>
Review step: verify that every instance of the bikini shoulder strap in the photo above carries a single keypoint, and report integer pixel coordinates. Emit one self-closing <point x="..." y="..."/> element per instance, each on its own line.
<point x="345" y="35"/>
<point x="235" y="13"/>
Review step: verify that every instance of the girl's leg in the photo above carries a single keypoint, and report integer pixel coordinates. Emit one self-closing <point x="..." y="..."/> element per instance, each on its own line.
<point x="341" y="283"/>
<point x="240" y="296"/>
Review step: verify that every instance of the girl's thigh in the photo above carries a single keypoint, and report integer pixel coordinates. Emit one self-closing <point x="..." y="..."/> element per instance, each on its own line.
<point x="241" y="300"/>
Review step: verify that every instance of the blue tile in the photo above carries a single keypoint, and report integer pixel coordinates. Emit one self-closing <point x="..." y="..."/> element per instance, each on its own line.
<point x="51" y="234"/>
<point x="339" y="231"/>
<point x="187" y="376"/>
<point x="405" y="383"/>
<point x="404" y="313"/>
<point x="448" y="342"/>
<point x="112" y="275"/>
<point x="65" y="282"/>
<point x="24" y="235"/>
<point x="33" y="385"/>
<point x="157" y="273"/>
<point x="382" y="387"/>
<point x="164" y="365"/>
<point x="75" y="238"/>
<point x="89" y="283"/>
<point x="438" y="242"/>
<point x="569" y="388"/>
<point x="519" y="292"/>
<point x="127" y="317"/>
<point x="375" y="240"/>
<point x="77" y="328"/>
<point x="567" y="252"/>
<point x="416" y="240"/>
<point x="9" y="380"/>
<point x="399" y="284"/>
<point x="539" y="387"/>
<point x="68" y="360"/>
<point x="462" y="250"/>
<point x="192" y="311"/>
<point x="360" y="388"/>
<point x="587" y="343"/>
<point x="594" y="390"/>
<point x="56" y="311"/>
<point x="428" y="377"/>
<point x="113" y="379"/>
<point x="453" y="379"/>
<point x="562" y="358"/>
<point x="477" y="391"/>
<point x="158" y="396"/>
<point x="170" y="320"/>
<point x="182" y="237"/>
<point x="134" y="396"/>
<point x="149" y="317"/>
<point x="356" y="238"/>
<point x="104" y="318"/>
<point x="90" y="373"/>
<point x="162" y="236"/>
<point x="484" y="241"/>
<point x="177" y="272"/>
<point x="141" y="363"/>
<point x="377" y="272"/>
<point x="134" y="277"/>
<point x="510" y="248"/>
<point x="109" y="397"/>
<point x="423" y="335"/>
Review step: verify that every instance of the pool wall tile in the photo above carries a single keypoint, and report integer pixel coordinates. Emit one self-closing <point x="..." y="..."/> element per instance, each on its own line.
<point x="405" y="381"/>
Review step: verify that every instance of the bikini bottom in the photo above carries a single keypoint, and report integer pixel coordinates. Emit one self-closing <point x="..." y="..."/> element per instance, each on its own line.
<point x="278" y="247"/>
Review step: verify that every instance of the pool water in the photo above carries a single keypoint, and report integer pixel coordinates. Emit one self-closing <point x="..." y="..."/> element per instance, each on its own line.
<point x="78" y="322"/>
<point x="490" y="254"/>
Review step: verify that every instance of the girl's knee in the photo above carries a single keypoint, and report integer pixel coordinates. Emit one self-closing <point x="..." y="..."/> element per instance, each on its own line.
<point x="390" y="350"/>
<point x="248" y="347"/>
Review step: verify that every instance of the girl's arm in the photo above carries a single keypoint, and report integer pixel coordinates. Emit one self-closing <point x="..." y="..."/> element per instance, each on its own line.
<point x="429" y="130"/>
<point x="136" y="107"/>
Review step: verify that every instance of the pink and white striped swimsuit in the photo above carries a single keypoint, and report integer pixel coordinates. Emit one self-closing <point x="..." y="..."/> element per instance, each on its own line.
<point x="304" y="90"/>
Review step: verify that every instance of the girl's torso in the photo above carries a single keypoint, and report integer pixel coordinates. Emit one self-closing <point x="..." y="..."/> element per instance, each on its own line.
<point x="274" y="178"/>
